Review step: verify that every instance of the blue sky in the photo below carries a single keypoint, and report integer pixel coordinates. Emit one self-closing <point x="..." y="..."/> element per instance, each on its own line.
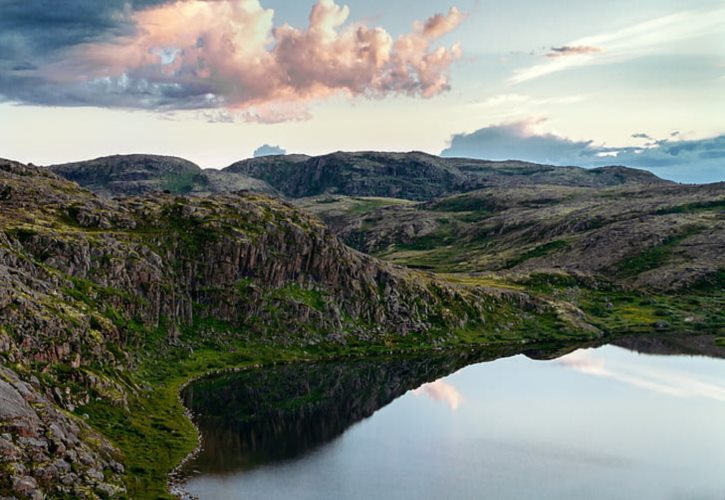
<point x="213" y="81"/>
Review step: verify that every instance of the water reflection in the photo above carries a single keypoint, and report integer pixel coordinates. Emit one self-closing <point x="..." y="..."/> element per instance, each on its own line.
<point x="251" y="418"/>
<point x="593" y="422"/>
<point x="672" y="382"/>
<point x="442" y="391"/>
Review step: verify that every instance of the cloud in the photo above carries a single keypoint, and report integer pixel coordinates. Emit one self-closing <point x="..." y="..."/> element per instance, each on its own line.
<point x="662" y="381"/>
<point x="198" y="54"/>
<point x="269" y="150"/>
<point x="441" y="391"/>
<point x="519" y="140"/>
<point x="701" y="160"/>
<point x="627" y="43"/>
<point x="572" y="50"/>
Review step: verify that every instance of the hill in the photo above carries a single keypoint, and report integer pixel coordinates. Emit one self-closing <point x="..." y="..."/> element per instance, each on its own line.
<point x="124" y="175"/>
<point x="653" y="236"/>
<point x="418" y="176"/>
<point x="108" y="306"/>
<point x="413" y="176"/>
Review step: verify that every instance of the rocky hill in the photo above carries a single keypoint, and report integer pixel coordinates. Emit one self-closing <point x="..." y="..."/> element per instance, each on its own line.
<point x="123" y="175"/>
<point x="103" y="302"/>
<point x="108" y="306"/>
<point x="660" y="236"/>
<point x="418" y="176"/>
<point x="413" y="176"/>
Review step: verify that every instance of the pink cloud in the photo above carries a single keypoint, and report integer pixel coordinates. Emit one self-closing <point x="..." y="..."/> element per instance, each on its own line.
<point x="441" y="391"/>
<point x="229" y="54"/>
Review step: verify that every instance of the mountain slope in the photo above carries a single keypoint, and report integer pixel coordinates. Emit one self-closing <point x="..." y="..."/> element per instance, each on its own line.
<point x="653" y="236"/>
<point x="413" y="176"/>
<point x="107" y="306"/>
<point x="418" y="176"/>
<point x="122" y="175"/>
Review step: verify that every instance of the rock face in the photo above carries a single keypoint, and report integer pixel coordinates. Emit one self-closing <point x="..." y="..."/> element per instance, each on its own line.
<point x="413" y="176"/>
<point x="418" y="176"/>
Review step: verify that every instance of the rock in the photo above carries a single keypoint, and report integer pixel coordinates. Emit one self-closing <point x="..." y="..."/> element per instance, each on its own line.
<point x="27" y="487"/>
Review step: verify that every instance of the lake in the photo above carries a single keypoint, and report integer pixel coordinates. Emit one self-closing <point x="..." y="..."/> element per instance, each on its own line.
<point x="643" y="419"/>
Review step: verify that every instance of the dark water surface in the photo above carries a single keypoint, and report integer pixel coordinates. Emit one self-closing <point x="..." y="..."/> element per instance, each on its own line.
<point x="644" y="420"/>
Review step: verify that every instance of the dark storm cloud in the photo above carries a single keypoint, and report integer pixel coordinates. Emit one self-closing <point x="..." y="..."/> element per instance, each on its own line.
<point x="34" y="33"/>
<point x="684" y="161"/>
<point x="35" y="29"/>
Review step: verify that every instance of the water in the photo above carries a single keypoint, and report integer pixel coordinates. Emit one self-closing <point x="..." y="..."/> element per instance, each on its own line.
<point x="604" y="422"/>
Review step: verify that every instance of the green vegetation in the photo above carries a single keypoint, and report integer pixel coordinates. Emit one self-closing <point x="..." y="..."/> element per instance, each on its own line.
<point x="616" y="310"/>
<point x="538" y="251"/>
<point x="180" y="183"/>
<point x="655" y="256"/>
<point x="127" y="300"/>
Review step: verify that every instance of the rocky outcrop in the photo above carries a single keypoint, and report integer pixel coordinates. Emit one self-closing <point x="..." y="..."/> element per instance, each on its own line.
<point x="44" y="451"/>
<point x="656" y="237"/>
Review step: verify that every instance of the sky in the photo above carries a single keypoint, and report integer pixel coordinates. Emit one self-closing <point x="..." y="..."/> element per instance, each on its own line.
<point x="639" y="83"/>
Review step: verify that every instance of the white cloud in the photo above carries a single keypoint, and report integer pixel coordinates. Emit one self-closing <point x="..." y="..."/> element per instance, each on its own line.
<point x="628" y="43"/>
<point x="659" y="380"/>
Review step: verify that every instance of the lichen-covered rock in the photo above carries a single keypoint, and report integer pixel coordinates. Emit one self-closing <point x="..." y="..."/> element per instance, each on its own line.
<point x="40" y="446"/>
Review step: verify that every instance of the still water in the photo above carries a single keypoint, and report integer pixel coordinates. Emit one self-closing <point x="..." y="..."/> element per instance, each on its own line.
<point x="640" y="421"/>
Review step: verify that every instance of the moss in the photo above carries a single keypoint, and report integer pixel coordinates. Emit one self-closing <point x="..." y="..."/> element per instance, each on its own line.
<point x="23" y="234"/>
<point x="311" y="297"/>
<point x="693" y="207"/>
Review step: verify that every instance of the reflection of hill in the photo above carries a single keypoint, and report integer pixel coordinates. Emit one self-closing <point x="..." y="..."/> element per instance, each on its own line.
<point x="255" y="417"/>
<point x="699" y="345"/>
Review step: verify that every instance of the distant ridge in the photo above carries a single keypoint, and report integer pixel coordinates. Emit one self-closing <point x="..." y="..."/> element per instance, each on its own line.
<point x="413" y="176"/>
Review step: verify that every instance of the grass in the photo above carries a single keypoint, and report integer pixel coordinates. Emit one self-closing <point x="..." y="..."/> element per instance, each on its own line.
<point x="480" y="280"/>
<point x="310" y="297"/>
<point x="154" y="434"/>
<point x="363" y="205"/>
<point x="538" y="251"/>
<point x="653" y="257"/>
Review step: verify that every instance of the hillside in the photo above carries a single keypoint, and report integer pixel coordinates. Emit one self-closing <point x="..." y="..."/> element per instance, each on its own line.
<point x="124" y="175"/>
<point x="652" y="236"/>
<point x="413" y="176"/>
<point x="418" y="176"/>
<point x="108" y="306"/>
